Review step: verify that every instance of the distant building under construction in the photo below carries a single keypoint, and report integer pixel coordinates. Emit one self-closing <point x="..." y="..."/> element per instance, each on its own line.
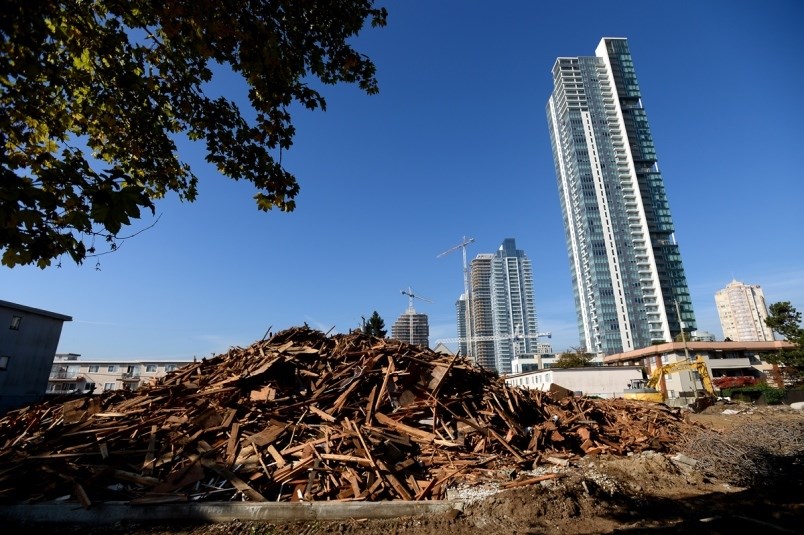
<point x="503" y="312"/>
<point x="412" y="327"/>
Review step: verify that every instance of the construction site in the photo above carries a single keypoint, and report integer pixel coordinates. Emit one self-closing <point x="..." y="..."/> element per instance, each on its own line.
<point x="309" y="433"/>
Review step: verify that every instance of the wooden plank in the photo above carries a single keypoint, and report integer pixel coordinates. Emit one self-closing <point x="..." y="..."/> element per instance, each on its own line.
<point x="136" y="478"/>
<point x="403" y="428"/>
<point x="346" y="458"/>
<point x="507" y="446"/>
<point x="529" y="481"/>
<point x="338" y="405"/>
<point x="272" y="451"/>
<point x="232" y="444"/>
<point x="291" y="471"/>
<point x="80" y="494"/>
<point x="148" y="465"/>
<point x="325" y="416"/>
<point x="236" y="482"/>
<point x="397" y="485"/>
<point x="269" y="434"/>
<point x="389" y="370"/>
<point x="265" y="393"/>
<point x="370" y="405"/>
<point x="229" y="418"/>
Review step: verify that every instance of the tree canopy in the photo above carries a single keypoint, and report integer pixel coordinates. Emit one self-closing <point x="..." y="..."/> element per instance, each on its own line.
<point x="94" y="95"/>
<point x="576" y="358"/>
<point x="783" y="318"/>
<point x="375" y="326"/>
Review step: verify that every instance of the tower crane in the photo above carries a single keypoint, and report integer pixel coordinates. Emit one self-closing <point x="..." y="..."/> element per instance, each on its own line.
<point x="412" y="296"/>
<point x="466" y="241"/>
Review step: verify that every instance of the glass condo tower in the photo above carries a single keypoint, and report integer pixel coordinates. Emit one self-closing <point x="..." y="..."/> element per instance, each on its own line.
<point x="628" y="280"/>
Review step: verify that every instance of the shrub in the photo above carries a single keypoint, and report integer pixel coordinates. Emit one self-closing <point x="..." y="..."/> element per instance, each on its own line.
<point x="773" y="396"/>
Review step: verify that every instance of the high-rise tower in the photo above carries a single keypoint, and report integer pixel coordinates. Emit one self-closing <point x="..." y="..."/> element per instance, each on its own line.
<point x="627" y="274"/>
<point x="482" y="320"/>
<point x="503" y="311"/>
<point x="742" y="312"/>
<point x="512" y="304"/>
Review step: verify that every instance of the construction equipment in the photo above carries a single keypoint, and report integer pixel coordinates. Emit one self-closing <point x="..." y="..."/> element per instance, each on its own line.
<point x="642" y="390"/>
<point x="468" y="319"/>
<point x="412" y="296"/>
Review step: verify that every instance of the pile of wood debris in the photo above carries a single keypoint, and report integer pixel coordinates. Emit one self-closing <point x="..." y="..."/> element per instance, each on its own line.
<point x="304" y="416"/>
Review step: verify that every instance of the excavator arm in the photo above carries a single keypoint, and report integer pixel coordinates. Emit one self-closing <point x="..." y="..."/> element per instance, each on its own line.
<point x="698" y="365"/>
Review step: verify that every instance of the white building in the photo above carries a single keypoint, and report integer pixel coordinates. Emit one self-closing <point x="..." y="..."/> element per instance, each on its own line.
<point x="606" y="382"/>
<point x="742" y="312"/>
<point x="625" y="264"/>
<point x="69" y="374"/>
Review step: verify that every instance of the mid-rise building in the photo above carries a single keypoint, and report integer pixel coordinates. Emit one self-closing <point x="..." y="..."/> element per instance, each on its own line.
<point x="29" y="338"/>
<point x="70" y="375"/>
<point x="628" y="280"/>
<point x="742" y="312"/>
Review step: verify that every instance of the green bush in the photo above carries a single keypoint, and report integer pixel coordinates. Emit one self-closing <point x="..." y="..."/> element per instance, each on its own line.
<point x="773" y="396"/>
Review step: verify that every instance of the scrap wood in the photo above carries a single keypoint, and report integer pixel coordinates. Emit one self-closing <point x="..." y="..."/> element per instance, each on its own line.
<point x="529" y="481"/>
<point x="236" y="482"/>
<point x="383" y="419"/>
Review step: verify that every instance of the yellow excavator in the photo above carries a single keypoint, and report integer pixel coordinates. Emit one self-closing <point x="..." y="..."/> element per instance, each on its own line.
<point x="642" y="390"/>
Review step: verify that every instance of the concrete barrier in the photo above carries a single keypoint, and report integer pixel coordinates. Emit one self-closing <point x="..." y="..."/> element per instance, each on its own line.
<point x="108" y="513"/>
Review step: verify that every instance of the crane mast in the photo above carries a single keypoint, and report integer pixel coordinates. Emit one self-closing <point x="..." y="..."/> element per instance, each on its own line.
<point x="468" y="314"/>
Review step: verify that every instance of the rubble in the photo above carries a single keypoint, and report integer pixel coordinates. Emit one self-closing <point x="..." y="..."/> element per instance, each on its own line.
<point x="307" y="417"/>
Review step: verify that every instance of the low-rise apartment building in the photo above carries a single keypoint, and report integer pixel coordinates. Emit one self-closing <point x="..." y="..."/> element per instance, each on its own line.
<point x="603" y="382"/>
<point x="69" y="374"/>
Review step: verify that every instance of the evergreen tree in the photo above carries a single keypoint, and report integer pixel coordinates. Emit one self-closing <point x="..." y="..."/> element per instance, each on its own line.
<point x="784" y="319"/>
<point x="375" y="326"/>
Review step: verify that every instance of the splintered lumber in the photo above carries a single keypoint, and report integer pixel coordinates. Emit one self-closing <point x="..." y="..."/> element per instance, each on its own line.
<point x="307" y="416"/>
<point x="411" y="431"/>
<point x="238" y="483"/>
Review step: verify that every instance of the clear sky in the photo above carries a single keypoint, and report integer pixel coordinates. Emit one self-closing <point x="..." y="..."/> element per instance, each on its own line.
<point x="456" y="144"/>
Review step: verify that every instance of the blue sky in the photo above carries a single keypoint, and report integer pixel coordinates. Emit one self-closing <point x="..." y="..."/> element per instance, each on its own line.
<point x="456" y="144"/>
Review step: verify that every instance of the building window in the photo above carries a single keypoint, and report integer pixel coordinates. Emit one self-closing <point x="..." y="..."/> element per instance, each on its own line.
<point x="170" y="367"/>
<point x="150" y="368"/>
<point x="15" y="323"/>
<point x="108" y="386"/>
<point x="94" y="368"/>
<point x="89" y="387"/>
<point x="4" y="362"/>
<point x="111" y="369"/>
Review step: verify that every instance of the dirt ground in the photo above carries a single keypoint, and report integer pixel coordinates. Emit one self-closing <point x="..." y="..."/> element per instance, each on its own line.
<point x="746" y="473"/>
